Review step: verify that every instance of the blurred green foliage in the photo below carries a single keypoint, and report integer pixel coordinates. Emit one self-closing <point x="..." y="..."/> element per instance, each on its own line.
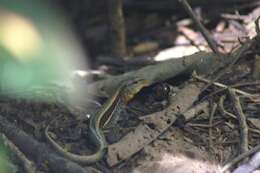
<point x="37" y="49"/>
<point x="6" y="165"/>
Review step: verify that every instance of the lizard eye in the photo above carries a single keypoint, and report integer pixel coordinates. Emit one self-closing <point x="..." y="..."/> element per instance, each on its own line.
<point x="161" y="91"/>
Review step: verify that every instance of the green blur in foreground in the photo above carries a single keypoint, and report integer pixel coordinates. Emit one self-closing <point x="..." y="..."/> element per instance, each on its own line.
<point x="5" y="165"/>
<point x="36" y="50"/>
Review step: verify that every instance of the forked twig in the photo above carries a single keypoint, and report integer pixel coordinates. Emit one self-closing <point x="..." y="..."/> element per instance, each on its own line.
<point x="211" y="42"/>
<point x="194" y="75"/>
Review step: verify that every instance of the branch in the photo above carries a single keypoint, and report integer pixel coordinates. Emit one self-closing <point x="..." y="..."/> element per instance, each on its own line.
<point x="38" y="151"/>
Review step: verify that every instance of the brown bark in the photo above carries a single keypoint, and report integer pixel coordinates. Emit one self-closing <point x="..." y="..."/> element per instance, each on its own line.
<point x="117" y="28"/>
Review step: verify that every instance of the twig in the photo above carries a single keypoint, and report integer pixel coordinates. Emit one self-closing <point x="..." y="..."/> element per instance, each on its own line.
<point x="232" y="86"/>
<point x="241" y="119"/>
<point x="213" y="111"/>
<point x="251" y="166"/>
<point x="193" y="111"/>
<point x="227" y="142"/>
<point x="28" y="165"/>
<point x="233" y="16"/>
<point x="194" y="75"/>
<point x="222" y="109"/>
<point x="192" y="42"/>
<point x="235" y="57"/>
<point x="254" y="130"/>
<point x="257" y="29"/>
<point x="204" y="125"/>
<point x="224" y="112"/>
<point x="203" y="30"/>
<point x="227" y="166"/>
<point x="246" y="84"/>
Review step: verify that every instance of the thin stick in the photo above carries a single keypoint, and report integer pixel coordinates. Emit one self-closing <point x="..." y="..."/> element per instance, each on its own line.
<point x="204" y="125"/>
<point x="213" y="111"/>
<point x="222" y="109"/>
<point x="239" y="158"/>
<point x="221" y="85"/>
<point x="224" y="112"/>
<point x="211" y="42"/>
<point x="257" y="25"/>
<point x="233" y="16"/>
<point x="241" y="119"/>
<point x="245" y="84"/>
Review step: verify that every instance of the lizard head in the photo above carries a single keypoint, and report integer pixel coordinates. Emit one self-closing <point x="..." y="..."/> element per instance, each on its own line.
<point x="132" y="87"/>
